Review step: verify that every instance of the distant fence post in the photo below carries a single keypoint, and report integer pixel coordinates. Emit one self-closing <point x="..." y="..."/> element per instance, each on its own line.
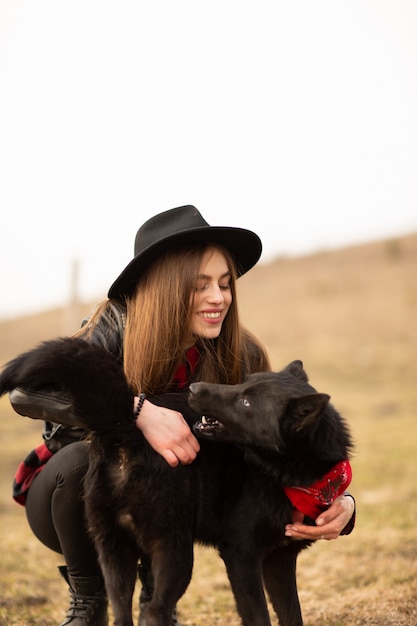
<point x="72" y="310"/>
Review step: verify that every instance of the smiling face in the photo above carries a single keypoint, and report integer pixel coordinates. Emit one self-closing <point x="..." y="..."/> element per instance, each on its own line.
<point x="211" y="298"/>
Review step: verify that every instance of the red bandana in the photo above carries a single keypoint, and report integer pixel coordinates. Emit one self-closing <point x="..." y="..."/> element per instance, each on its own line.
<point x="316" y="498"/>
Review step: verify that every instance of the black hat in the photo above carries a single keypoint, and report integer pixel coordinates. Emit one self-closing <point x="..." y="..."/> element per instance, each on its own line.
<point x="184" y="224"/>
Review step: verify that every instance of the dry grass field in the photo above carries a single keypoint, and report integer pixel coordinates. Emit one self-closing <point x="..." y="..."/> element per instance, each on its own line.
<point x="351" y="316"/>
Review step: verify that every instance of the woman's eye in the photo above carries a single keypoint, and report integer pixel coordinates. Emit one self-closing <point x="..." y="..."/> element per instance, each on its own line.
<point x="205" y="286"/>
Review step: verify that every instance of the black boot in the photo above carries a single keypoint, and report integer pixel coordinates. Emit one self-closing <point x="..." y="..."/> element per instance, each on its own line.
<point x="145" y="577"/>
<point x="88" y="603"/>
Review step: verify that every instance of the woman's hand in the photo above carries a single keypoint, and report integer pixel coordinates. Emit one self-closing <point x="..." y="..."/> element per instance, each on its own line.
<point x="168" y="433"/>
<point x="329" y="524"/>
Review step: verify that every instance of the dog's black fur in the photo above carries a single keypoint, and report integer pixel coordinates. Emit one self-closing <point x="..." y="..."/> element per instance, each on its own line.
<point x="273" y="430"/>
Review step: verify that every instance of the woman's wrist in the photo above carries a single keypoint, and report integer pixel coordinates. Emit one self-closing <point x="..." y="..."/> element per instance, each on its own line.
<point x="138" y="404"/>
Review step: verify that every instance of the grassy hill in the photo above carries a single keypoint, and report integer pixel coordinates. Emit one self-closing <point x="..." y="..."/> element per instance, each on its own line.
<point x="351" y="316"/>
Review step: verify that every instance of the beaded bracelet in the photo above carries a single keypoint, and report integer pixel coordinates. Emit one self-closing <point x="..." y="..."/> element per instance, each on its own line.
<point x="142" y="398"/>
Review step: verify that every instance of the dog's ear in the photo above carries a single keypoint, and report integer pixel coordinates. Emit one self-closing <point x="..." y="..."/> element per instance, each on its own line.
<point x="307" y="409"/>
<point x="296" y="369"/>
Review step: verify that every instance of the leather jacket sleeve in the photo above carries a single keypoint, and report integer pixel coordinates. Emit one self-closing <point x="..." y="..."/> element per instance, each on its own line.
<point x="47" y="405"/>
<point x="51" y="405"/>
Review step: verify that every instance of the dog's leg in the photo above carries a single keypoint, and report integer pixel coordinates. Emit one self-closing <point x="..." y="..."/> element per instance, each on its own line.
<point x="280" y="581"/>
<point x="117" y="551"/>
<point x="118" y="557"/>
<point x="245" y="575"/>
<point x="172" y="564"/>
<point x="112" y="532"/>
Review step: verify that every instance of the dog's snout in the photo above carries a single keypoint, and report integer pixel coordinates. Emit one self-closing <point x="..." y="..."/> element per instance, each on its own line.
<point x="193" y="388"/>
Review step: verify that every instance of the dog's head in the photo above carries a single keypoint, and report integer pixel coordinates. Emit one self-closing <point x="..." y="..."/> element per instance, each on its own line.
<point x="269" y="410"/>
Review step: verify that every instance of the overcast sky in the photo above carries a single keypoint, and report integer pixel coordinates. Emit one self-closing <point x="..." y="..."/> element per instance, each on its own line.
<point x="296" y="119"/>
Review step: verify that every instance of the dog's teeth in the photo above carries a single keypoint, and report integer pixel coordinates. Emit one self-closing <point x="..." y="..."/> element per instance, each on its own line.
<point x="203" y="420"/>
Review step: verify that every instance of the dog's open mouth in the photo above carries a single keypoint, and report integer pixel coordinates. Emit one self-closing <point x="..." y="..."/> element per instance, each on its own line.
<point x="208" y="426"/>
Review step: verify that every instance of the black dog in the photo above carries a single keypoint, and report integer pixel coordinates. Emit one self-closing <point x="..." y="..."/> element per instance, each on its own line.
<point x="272" y="431"/>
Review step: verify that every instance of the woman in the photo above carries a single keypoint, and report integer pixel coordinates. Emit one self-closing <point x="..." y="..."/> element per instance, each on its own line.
<point x="171" y="318"/>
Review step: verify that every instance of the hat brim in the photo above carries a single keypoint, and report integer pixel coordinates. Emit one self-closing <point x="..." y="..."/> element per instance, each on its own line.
<point x="244" y="245"/>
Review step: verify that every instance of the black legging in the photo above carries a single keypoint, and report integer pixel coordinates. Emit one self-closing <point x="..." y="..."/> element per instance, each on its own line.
<point x="55" y="509"/>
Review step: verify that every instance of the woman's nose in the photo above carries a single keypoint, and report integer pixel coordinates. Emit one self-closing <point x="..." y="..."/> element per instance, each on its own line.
<point x="215" y="294"/>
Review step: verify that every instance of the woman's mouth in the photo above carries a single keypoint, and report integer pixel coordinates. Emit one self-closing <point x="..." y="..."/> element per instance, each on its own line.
<point x="210" y="316"/>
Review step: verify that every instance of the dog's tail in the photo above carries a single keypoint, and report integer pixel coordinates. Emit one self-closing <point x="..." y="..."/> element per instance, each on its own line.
<point x="89" y="376"/>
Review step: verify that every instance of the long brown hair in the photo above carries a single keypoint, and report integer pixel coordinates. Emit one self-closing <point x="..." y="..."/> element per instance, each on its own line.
<point x="158" y="323"/>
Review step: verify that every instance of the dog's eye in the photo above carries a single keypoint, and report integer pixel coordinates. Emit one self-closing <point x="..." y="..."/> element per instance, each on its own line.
<point x="245" y="402"/>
